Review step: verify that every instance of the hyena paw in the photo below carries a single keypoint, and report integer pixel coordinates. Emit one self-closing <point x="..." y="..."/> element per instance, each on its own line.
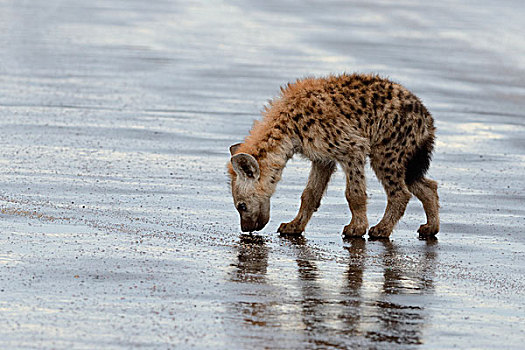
<point x="290" y="228"/>
<point x="428" y="230"/>
<point x="379" y="231"/>
<point x="354" y="230"/>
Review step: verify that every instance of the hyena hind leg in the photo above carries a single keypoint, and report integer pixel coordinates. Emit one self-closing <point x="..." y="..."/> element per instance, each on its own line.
<point x="311" y="198"/>
<point x="426" y="191"/>
<point x="398" y="196"/>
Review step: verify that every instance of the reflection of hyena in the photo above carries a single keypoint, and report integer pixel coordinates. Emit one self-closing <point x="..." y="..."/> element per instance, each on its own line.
<point x="339" y="119"/>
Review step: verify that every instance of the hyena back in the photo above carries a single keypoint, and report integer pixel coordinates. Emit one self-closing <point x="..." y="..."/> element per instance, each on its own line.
<point x="339" y="119"/>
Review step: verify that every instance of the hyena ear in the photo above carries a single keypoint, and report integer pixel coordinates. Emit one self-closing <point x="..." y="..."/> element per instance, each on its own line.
<point x="246" y="166"/>
<point x="233" y="148"/>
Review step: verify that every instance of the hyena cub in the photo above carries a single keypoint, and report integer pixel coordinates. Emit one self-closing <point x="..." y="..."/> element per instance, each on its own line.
<point x="339" y="119"/>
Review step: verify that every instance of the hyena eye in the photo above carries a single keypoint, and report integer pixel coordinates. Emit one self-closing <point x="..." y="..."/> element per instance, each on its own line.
<point x="241" y="207"/>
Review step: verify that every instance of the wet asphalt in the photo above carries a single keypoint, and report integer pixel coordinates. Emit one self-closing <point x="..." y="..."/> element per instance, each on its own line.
<point x="118" y="229"/>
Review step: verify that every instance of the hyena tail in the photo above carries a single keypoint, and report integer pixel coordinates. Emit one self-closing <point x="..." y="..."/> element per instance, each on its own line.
<point x="417" y="166"/>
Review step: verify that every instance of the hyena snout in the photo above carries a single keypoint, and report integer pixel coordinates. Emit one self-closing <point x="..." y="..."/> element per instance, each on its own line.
<point x="257" y="220"/>
<point x="253" y="225"/>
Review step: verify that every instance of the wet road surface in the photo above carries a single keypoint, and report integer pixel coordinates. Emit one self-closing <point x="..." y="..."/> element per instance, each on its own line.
<point x="118" y="229"/>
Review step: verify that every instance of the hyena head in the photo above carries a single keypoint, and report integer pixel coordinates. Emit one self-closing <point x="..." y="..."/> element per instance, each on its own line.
<point x="250" y="200"/>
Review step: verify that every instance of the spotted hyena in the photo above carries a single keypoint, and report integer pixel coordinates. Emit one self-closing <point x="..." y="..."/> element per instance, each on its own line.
<point x="339" y="119"/>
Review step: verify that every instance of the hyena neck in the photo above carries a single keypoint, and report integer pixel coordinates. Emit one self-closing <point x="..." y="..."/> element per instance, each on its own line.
<point x="272" y="149"/>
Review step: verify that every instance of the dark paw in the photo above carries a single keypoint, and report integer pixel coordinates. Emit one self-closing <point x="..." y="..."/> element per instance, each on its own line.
<point x="379" y="232"/>
<point x="354" y="231"/>
<point x="427" y="230"/>
<point x="290" y="228"/>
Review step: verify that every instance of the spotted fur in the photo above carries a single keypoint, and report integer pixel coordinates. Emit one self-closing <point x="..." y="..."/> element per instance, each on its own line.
<point x="339" y="120"/>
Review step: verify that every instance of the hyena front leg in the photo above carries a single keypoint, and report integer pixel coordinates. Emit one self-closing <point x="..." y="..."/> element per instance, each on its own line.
<point x="356" y="196"/>
<point x="393" y="181"/>
<point x="426" y="191"/>
<point x="311" y="197"/>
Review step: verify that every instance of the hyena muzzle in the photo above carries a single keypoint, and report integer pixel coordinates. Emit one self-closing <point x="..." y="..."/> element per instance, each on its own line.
<point x="339" y="120"/>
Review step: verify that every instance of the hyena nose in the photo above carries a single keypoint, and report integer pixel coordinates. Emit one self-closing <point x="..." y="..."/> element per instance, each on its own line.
<point x="248" y="226"/>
